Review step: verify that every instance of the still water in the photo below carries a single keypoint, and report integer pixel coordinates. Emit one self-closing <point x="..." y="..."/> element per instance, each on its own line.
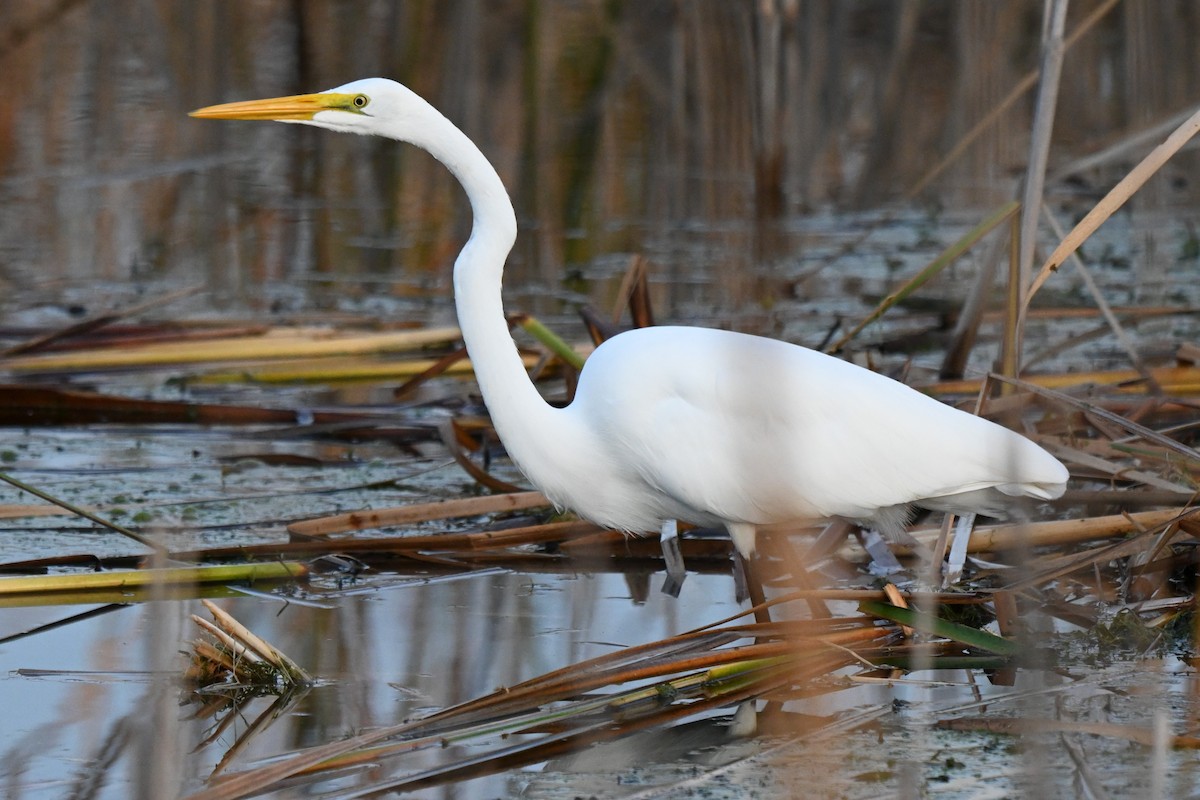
<point x="760" y="155"/>
<point x="79" y="699"/>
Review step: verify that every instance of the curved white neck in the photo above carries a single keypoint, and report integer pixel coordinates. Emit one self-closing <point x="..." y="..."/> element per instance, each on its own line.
<point x="527" y="425"/>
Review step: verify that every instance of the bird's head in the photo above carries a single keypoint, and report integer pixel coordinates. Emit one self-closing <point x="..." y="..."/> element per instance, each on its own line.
<point x="370" y="106"/>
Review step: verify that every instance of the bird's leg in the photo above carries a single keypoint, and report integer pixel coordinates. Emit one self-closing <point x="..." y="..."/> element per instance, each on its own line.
<point x="958" y="551"/>
<point x="745" y="721"/>
<point x="747" y="577"/>
<point x="883" y="560"/>
<point x="741" y="577"/>
<point x="748" y="585"/>
<point x="673" y="558"/>
<point x="830" y="539"/>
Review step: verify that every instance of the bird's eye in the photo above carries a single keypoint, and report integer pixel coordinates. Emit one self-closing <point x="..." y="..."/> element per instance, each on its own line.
<point x="360" y="101"/>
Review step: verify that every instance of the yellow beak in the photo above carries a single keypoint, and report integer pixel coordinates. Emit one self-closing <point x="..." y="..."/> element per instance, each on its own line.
<point x="296" y="107"/>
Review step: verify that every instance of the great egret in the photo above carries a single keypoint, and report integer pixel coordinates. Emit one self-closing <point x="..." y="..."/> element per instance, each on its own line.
<point x="679" y="423"/>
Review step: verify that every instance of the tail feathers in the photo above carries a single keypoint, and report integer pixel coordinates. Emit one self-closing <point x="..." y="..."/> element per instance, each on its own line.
<point x="890" y="521"/>
<point x="1041" y="491"/>
<point x="991" y="501"/>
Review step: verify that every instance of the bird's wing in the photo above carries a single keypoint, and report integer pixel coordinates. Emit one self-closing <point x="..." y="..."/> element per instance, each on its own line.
<point x="750" y="429"/>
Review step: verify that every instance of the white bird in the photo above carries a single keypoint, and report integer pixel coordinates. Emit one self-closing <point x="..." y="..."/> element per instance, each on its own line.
<point x="682" y="423"/>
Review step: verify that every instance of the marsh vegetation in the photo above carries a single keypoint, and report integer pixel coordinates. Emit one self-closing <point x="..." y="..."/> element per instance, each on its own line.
<point x="229" y="374"/>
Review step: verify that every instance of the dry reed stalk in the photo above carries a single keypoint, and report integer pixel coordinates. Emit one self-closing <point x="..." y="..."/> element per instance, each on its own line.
<point x="1116" y="197"/>
<point x="40" y="405"/>
<point x="972" y="313"/>
<point x="230" y="787"/>
<point x="1120" y="151"/>
<point x="661" y="658"/>
<point x="1098" y="416"/>
<point x="1008" y="617"/>
<point x="420" y="512"/>
<point x="170" y="576"/>
<point x="1009" y="360"/>
<point x="941" y="572"/>
<point x="1115" y="471"/>
<point x="459" y="443"/>
<point x="1122" y="449"/>
<point x="609" y="544"/>
<point x="461" y="545"/>
<point x="89" y="325"/>
<point x="277" y="344"/>
<point x="83" y="512"/>
<point x="210" y="655"/>
<point x="1113" y="323"/>
<point x="1072" y="312"/>
<point x="711" y="689"/>
<point x="244" y="635"/>
<point x="1173" y="380"/>
<point x="893" y="596"/>
<point x="118" y="596"/>
<point x="134" y="335"/>
<point x="634" y="293"/>
<point x="14" y="511"/>
<point x="1051" y="568"/>
<point x="343" y="370"/>
<point x="1049" y="71"/>
<point x="991" y="538"/>
<point x="920" y="598"/>
<point x="842" y="630"/>
<point x="944" y="259"/>
<point x="558" y="739"/>
<point x="785" y="656"/>
<point x="240" y="651"/>
<point x="241" y="656"/>
<point x="438" y="367"/>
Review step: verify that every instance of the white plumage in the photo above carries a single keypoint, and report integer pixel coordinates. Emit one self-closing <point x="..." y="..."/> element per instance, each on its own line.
<point x="707" y="426"/>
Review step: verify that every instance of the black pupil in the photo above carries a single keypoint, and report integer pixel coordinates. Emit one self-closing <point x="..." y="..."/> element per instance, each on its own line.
<point x="360" y="101"/>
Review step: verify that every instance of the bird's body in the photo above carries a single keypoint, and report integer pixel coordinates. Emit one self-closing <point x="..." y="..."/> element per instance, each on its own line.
<point x="707" y="426"/>
<point x="715" y="427"/>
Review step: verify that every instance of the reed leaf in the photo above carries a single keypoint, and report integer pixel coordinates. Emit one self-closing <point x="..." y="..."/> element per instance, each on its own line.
<point x="1116" y="197"/>
<point x="421" y="512"/>
<point x="338" y="370"/>
<point x="927" y="623"/>
<point x="551" y="340"/>
<point x="279" y="344"/>
<point x="947" y="257"/>
<point x="1001" y="538"/>
<point x="169" y="576"/>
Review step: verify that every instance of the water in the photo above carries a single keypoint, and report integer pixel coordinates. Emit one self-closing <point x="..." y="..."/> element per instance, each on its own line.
<point x="621" y="128"/>
<point x="380" y="657"/>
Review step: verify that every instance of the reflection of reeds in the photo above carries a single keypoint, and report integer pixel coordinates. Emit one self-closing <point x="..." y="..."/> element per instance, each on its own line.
<point x="689" y="114"/>
<point x="236" y="659"/>
<point x="675" y="680"/>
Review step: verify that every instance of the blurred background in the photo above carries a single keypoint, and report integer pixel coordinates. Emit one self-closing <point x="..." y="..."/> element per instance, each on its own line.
<point x="734" y="144"/>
